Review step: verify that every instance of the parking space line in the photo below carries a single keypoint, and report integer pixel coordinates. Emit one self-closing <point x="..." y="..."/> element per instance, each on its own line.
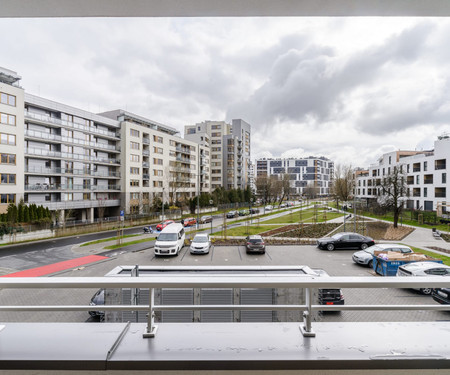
<point x="184" y="247"/>
<point x="239" y="251"/>
<point x="212" y="252"/>
<point x="267" y="253"/>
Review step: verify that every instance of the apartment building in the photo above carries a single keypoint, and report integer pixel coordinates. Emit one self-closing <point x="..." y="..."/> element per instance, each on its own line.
<point x="304" y="173"/>
<point x="156" y="163"/>
<point x="11" y="139"/>
<point x="425" y="173"/>
<point x="229" y="151"/>
<point x="72" y="160"/>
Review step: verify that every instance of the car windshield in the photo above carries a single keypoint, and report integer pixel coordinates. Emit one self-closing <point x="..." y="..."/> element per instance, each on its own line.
<point x="255" y="240"/>
<point x="167" y="237"/>
<point x="336" y="236"/>
<point x="201" y="239"/>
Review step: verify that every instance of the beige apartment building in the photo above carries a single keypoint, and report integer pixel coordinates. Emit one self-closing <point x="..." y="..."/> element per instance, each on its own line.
<point x="11" y="139"/>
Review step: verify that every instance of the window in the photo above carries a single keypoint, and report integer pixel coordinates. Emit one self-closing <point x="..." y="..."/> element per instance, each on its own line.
<point x="417" y="179"/>
<point x="134" y="133"/>
<point x="69" y="196"/>
<point x="86" y="196"/>
<point x="8" y="198"/>
<point x="216" y="126"/>
<point x="215" y="134"/>
<point x="134" y="196"/>
<point x="157" y="139"/>
<point x="7" y="99"/>
<point x="157" y="184"/>
<point x="134" y="157"/>
<point x="70" y="183"/>
<point x="157" y="150"/>
<point x="7" y="119"/>
<point x="425" y="192"/>
<point x="69" y="149"/>
<point x="157" y="161"/>
<point x="444" y="178"/>
<point x="8" y="159"/>
<point x="172" y="153"/>
<point x="425" y="165"/>
<point x="7" y="139"/>
<point x="134" y="182"/>
<point x="134" y="170"/>
<point x="6" y="178"/>
<point x="172" y="143"/>
<point x="134" y="145"/>
<point x="157" y="172"/>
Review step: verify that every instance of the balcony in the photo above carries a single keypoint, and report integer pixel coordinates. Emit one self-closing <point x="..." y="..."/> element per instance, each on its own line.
<point x="145" y="141"/>
<point x="70" y="171"/>
<point x="65" y="155"/>
<point x="78" y="204"/>
<point x="298" y="345"/>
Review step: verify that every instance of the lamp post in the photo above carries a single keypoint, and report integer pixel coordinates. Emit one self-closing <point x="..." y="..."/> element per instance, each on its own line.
<point x="211" y="203"/>
<point x="162" y="204"/>
<point x="251" y="217"/>
<point x="198" y="202"/>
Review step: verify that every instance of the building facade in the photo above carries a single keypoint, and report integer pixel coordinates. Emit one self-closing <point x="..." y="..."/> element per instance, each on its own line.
<point x="11" y="139"/>
<point x="425" y="173"/>
<point x="304" y="173"/>
<point x="229" y="151"/>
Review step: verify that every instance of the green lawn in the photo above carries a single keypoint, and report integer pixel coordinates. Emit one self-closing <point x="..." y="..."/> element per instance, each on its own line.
<point x="307" y="216"/>
<point x="245" y="231"/>
<point x="123" y="244"/>
<point x="107" y="239"/>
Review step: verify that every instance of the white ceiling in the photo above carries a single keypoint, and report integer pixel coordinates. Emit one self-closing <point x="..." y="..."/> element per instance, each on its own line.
<point x="204" y="8"/>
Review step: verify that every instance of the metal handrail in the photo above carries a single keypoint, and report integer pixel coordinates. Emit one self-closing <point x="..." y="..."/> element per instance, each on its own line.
<point x="261" y="280"/>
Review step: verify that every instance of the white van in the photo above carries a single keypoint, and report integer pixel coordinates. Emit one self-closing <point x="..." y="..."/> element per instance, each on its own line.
<point x="171" y="240"/>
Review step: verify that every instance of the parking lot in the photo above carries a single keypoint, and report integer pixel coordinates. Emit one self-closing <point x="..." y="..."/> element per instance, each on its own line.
<point x="336" y="263"/>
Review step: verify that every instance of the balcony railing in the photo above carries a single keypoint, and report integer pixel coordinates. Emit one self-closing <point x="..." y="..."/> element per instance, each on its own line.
<point x="46" y="187"/>
<point x="52" y="120"/>
<point x="78" y="204"/>
<point x="71" y="171"/>
<point x="239" y="280"/>
<point x="70" y="156"/>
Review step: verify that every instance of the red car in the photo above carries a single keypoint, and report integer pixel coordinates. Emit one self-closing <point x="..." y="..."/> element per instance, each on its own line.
<point x="164" y="224"/>
<point x="189" y="221"/>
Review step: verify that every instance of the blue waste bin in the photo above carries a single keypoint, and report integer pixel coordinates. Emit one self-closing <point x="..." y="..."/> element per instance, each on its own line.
<point x="386" y="267"/>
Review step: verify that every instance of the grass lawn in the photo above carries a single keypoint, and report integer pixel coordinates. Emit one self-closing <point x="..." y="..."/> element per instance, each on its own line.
<point x="245" y="231"/>
<point x="107" y="240"/>
<point x="307" y="216"/>
<point x="112" y="247"/>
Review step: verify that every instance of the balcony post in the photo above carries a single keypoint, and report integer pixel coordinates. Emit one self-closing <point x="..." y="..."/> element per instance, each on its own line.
<point x="306" y="329"/>
<point x="151" y="328"/>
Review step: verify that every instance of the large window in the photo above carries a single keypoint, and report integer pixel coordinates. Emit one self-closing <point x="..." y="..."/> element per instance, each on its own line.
<point x="134" y="133"/>
<point x="7" y="139"/>
<point x="134" y="145"/>
<point x="7" y="119"/>
<point x="134" y="170"/>
<point x="134" y="182"/>
<point x="157" y="161"/>
<point x="157" y="150"/>
<point x="8" y="159"/>
<point x="7" y="99"/>
<point x="157" y="139"/>
<point x="134" y="157"/>
<point x="6" y="178"/>
<point x="8" y="198"/>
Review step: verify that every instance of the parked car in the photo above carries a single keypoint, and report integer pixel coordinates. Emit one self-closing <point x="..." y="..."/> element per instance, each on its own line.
<point x="98" y="299"/>
<point x="329" y="296"/>
<point x="255" y="244"/>
<point x="365" y="257"/>
<point x="189" y="221"/>
<point x="200" y="244"/>
<point x="232" y="214"/>
<point x="283" y="205"/>
<point x="268" y="208"/>
<point x="170" y="241"/>
<point x="148" y="229"/>
<point x="345" y="240"/>
<point x="441" y="295"/>
<point x="206" y="219"/>
<point x="243" y="212"/>
<point x="164" y="224"/>
<point x="423" y="269"/>
<point x="254" y="211"/>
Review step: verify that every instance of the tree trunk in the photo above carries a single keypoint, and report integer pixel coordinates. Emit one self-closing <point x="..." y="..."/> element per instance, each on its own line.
<point x="396" y="216"/>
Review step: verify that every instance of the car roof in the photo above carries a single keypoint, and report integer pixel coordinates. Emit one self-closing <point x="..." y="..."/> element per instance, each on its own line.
<point x="172" y="228"/>
<point x="201" y="235"/>
<point x="425" y="265"/>
<point x="389" y="245"/>
<point x="254" y="236"/>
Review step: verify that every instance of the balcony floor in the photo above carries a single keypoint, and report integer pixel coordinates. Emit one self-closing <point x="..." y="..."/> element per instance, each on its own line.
<point x="227" y="346"/>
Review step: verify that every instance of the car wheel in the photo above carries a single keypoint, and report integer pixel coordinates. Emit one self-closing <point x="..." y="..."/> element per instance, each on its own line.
<point x="330" y="247"/>
<point x="364" y="246"/>
<point x="426" y="291"/>
<point x="370" y="264"/>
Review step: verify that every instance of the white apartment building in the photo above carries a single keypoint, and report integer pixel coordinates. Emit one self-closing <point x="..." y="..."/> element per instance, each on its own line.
<point x="156" y="162"/>
<point x="425" y="171"/>
<point x="72" y="160"/>
<point x="11" y="139"/>
<point x="230" y="151"/>
<point x="304" y="173"/>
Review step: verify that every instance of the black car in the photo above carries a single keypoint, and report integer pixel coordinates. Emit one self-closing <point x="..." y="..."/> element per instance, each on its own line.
<point x="329" y="296"/>
<point x="345" y="240"/>
<point x="98" y="300"/>
<point x="441" y="295"/>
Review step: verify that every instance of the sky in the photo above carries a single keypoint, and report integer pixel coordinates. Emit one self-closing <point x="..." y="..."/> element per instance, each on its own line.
<point x="349" y="89"/>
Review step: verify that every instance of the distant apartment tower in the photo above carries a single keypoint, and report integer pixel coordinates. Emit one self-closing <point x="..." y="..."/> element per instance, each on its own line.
<point x="72" y="160"/>
<point x="425" y="173"/>
<point x="156" y="163"/>
<point x="11" y="139"/>
<point x="230" y="151"/>
<point x="304" y="173"/>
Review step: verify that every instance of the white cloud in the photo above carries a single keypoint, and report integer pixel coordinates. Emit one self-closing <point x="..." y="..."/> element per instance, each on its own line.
<point x="344" y="88"/>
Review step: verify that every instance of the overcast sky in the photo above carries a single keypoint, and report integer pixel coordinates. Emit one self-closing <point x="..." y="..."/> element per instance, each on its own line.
<point x="345" y="88"/>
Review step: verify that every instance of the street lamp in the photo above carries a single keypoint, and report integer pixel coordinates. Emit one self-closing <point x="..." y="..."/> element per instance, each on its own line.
<point x="211" y="203"/>
<point x="162" y="204"/>
<point x="251" y="217"/>
<point x="198" y="202"/>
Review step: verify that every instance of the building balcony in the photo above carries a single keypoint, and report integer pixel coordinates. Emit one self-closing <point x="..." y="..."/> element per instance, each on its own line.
<point x="64" y="155"/>
<point x="70" y="171"/>
<point x="146" y="141"/>
<point x="42" y="119"/>
<point x="78" y="204"/>
<point x="70" y="187"/>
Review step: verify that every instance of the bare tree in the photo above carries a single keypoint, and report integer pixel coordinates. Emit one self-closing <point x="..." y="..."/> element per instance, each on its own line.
<point x="393" y="191"/>
<point x="343" y="183"/>
<point x="311" y="191"/>
<point x="179" y="181"/>
<point x="266" y="188"/>
<point x="283" y="186"/>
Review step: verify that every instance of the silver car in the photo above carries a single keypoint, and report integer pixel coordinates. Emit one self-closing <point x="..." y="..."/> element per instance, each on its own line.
<point x="200" y="244"/>
<point x="365" y="257"/>
<point x="423" y="269"/>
